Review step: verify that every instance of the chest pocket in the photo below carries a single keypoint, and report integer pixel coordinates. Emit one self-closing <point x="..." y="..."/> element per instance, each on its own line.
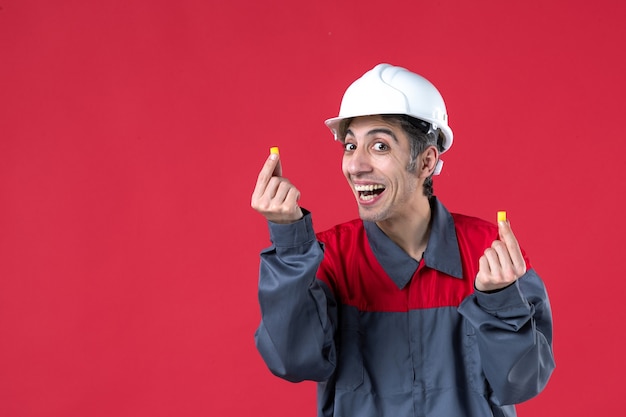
<point x="472" y="361"/>
<point x="350" y="370"/>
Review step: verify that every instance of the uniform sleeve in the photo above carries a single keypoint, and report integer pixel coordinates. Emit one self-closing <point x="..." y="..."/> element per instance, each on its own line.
<point x="295" y="336"/>
<point x="514" y="334"/>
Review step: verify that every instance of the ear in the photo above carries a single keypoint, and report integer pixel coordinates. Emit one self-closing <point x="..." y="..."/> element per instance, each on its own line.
<point x="428" y="161"/>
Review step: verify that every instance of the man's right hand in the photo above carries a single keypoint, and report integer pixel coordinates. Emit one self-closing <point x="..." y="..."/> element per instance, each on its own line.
<point x="274" y="196"/>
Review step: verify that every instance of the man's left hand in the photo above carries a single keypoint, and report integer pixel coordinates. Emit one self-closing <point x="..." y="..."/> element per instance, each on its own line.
<point x="502" y="264"/>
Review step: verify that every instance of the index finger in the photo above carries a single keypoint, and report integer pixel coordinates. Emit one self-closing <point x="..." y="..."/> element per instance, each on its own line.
<point x="509" y="239"/>
<point x="270" y="169"/>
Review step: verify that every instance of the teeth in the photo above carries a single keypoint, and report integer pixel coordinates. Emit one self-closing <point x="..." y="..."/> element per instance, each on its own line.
<point x="369" y="187"/>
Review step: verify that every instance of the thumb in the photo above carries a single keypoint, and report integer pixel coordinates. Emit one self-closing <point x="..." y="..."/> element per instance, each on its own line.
<point x="278" y="168"/>
<point x="505" y="232"/>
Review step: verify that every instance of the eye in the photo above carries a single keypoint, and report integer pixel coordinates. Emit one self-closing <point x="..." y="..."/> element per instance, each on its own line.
<point x="348" y="147"/>
<point x="380" y="146"/>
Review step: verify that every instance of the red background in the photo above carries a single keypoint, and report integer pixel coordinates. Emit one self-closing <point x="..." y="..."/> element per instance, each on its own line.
<point x="131" y="134"/>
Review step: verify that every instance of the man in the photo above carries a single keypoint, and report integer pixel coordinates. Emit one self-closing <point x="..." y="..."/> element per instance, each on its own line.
<point x="409" y="310"/>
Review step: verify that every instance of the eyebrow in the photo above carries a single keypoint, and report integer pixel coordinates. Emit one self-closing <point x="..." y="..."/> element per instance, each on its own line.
<point x="376" y="131"/>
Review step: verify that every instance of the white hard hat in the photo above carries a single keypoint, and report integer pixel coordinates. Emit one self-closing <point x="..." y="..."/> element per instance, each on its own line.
<point x="386" y="89"/>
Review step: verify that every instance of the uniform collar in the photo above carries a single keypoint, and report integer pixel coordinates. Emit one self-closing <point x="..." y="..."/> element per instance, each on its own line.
<point x="442" y="252"/>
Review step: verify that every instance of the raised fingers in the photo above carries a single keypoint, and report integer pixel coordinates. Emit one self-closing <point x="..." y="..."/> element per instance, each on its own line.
<point x="513" y="248"/>
<point x="270" y="169"/>
<point x="502" y="263"/>
<point x="274" y="196"/>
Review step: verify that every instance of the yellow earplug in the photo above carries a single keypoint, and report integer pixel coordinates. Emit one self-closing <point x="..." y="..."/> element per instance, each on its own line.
<point x="274" y="149"/>
<point x="501" y="216"/>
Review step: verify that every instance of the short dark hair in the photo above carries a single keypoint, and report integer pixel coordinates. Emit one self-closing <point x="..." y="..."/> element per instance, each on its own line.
<point x="420" y="135"/>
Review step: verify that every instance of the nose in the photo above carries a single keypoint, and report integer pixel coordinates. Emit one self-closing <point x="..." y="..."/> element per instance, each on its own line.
<point x="357" y="162"/>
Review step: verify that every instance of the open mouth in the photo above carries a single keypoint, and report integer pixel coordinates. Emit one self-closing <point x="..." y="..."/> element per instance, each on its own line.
<point x="370" y="191"/>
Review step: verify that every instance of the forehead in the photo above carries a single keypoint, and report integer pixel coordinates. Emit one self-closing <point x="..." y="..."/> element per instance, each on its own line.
<point x="364" y="121"/>
<point x="364" y="126"/>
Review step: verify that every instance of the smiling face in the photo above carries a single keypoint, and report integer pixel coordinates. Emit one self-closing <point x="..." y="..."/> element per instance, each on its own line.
<point x="376" y="156"/>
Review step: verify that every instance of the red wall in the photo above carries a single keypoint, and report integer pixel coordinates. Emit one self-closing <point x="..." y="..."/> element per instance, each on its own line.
<point x="131" y="134"/>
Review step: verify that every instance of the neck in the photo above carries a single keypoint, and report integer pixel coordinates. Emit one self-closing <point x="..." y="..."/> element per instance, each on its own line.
<point x="410" y="232"/>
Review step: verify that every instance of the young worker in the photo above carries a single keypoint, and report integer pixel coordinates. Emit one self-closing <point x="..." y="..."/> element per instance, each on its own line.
<point x="409" y="310"/>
